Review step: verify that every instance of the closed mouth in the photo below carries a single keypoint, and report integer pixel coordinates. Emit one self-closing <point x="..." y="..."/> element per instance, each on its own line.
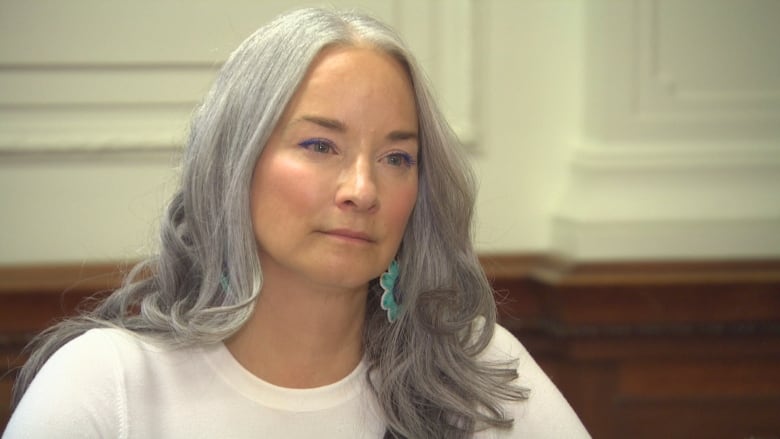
<point x="349" y="235"/>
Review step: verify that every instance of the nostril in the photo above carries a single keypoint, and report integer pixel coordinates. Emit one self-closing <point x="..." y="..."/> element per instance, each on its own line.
<point x="357" y="187"/>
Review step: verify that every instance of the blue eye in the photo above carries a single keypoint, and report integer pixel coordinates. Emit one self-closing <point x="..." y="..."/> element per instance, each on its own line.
<point x="321" y="146"/>
<point x="401" y="159"/>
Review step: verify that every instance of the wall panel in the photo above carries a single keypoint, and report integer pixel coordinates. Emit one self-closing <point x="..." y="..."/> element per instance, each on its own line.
<point x="681" y="148"/>
<point x="95" y="98"/>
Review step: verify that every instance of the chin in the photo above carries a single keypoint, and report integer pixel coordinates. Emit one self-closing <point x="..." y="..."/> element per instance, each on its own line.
<point x="346" y="278"/>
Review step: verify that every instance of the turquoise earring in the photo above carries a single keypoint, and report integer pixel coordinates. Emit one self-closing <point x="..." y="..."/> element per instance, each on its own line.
<point x="387" y="282"/>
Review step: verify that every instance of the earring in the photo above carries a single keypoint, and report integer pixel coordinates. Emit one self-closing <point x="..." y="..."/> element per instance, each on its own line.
<point x="224" y="282"/>
<point x="387" y="282"/>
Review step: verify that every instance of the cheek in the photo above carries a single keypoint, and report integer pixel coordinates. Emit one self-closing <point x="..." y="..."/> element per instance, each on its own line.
<point x="401" y="204"/>
<point x="283" y="185"/>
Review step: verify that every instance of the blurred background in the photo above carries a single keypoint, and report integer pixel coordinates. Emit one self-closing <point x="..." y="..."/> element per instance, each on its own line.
<point x="599" y="129"/>
<point x="627" y="152"/>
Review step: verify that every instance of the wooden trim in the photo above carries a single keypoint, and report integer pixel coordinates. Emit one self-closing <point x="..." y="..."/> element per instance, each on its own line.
<point x="58" y="278"/>
<point x="513" y="266"/>
<point x="540" y="267"/>
<point x="561" y="272"/>
<point x="535" y="292"/>
<point x="55" y="278"/>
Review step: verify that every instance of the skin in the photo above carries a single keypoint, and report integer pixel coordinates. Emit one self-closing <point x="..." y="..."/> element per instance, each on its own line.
<point x="332" y="193"/>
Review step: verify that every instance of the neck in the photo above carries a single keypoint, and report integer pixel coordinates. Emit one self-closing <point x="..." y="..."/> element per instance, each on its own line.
<point x="301" y="336"/>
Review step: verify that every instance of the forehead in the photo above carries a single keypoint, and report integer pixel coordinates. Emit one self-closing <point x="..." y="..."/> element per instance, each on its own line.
<point x="337" y="56"/>
<point x="346" y="75"/>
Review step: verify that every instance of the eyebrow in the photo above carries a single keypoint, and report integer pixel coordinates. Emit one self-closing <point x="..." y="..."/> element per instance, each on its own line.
<point x="337" y="125"/>
<point x="331" y="124"/>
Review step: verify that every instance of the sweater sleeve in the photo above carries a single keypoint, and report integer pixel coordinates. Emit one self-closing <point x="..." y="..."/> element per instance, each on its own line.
<point x="546" y="413"/>
<point x="79" y="392"/>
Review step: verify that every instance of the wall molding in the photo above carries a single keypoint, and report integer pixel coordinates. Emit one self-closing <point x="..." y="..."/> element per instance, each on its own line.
<point x="669" y="200"/>
<point x="655" y="71"/>
<point x="156" y="153"/>
<point x="658" y="239"/>
<point x="82" y="99"/>
<point x="678" y="158"/>
<point x="442" y="35"/>
<point x="661" y="83"/>
<point x="88" y="106"/>
<point x="675" y="155"/>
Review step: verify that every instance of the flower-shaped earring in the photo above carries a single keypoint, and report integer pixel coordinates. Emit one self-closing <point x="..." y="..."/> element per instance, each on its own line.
<point x="387" y="282"/>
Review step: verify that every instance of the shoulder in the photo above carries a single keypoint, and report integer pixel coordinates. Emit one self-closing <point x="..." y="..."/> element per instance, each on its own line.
<point x="76" y="392"/>
<point x="82" y="389"/>
<point x="103" y="352"/>
<point x="504" y="345"/>
<point x="546" y="413"/>
<point x="92" y="355"/>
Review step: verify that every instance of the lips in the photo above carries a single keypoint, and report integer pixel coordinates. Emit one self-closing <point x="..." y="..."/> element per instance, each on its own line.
<point x="349" y="234"/>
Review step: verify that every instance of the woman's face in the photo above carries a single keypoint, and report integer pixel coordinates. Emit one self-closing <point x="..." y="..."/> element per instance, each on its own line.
<point x="337" y="180"/>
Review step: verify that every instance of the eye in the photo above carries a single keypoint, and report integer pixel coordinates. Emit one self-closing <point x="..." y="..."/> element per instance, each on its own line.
<point x="400" y="159"/>
<point x="322" y="146"/>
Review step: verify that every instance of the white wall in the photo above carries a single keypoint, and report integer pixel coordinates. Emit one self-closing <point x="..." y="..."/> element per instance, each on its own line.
<point x="680" y="151"/>
<point x="529" y="60"/>
<point x="599" y="129"/>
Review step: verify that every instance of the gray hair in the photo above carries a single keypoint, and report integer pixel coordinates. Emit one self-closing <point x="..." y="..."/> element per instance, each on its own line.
<point x="202" y="286"/>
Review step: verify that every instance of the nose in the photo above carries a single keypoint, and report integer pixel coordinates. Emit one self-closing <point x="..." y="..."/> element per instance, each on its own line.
<point x="357" y="188"/>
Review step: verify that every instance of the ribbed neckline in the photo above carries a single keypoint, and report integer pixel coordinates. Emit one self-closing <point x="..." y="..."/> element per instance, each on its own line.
<point x="282" y="398"/>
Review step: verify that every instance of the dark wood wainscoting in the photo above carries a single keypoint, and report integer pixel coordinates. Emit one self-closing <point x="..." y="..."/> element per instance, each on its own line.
<point x="664" y="349"/>
<point x="653" y="350"/>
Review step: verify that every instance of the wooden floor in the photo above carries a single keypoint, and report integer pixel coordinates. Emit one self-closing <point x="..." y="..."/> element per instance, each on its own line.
<point x="640" y="350"/>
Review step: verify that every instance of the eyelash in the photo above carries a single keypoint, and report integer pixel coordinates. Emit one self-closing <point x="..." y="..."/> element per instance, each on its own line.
<point x="311" y="144"/>
<point x="409" y="161"/>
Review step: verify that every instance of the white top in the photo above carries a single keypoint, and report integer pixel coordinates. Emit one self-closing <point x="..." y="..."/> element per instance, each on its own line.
<point x="109" y="383"/>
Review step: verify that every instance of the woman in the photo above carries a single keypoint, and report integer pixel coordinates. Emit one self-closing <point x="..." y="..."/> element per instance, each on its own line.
<point x="315" y="275"/>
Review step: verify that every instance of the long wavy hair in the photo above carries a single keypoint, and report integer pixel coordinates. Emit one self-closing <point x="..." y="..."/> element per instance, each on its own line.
<point x="202" y="286"/>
